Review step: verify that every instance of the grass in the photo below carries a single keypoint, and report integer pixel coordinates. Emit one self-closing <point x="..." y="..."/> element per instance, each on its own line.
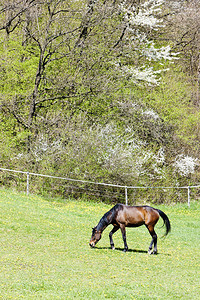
<point x="44" y="253"/>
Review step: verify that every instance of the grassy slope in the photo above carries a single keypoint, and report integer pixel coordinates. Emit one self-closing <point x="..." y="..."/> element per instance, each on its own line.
<point x="44" y="253"/>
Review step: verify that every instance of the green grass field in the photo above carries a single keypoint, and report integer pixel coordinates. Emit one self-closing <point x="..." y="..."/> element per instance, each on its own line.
<point x="44" y="253"/>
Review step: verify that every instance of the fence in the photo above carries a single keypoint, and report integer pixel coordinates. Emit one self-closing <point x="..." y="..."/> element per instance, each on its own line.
<point x="188" y="188"/>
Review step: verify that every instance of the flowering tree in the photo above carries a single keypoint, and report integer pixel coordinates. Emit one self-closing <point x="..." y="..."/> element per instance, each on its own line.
<point x="95" y="44"/>
<point x="139" y="20"/>
<point x="185" y="165"/>
<point x="63" y="66"/>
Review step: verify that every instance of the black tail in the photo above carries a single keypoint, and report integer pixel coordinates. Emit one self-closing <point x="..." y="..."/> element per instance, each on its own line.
<point x="166" y="221"/>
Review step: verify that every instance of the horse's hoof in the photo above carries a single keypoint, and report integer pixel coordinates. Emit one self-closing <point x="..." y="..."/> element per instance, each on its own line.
<point x="150" y="252"/>
<point x="113" y="248"/>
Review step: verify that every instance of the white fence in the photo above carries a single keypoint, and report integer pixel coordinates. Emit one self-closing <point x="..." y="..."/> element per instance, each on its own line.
<point x="188" y="188"/>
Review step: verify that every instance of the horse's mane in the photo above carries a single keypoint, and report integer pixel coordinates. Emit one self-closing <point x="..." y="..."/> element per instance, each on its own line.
<point x="108" y="217"/>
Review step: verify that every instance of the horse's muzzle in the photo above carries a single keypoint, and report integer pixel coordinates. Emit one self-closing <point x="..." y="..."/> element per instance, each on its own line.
<point x="92" y="244"/>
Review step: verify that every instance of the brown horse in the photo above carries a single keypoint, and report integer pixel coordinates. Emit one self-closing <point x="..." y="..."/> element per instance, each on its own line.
<point x="121" y="216"/>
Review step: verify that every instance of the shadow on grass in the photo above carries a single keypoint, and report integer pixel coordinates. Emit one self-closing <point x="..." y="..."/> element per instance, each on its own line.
<point x="130" y="250"/>
<point x="121" y="249"/>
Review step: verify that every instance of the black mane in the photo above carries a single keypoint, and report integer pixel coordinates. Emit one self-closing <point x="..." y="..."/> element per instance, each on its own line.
<point x="108" y="217"/>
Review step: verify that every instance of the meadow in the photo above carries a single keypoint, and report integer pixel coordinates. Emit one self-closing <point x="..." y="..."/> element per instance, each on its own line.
<point x="44" y="253"/>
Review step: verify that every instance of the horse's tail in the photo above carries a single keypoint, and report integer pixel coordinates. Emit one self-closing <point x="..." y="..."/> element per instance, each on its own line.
<point x="165" y="220"/>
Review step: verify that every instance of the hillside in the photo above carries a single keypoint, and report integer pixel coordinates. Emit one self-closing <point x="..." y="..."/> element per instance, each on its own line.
<point x="105" y="91"/>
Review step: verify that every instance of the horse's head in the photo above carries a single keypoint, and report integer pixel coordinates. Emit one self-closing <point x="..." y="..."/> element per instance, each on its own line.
<point x="96" y="236"/>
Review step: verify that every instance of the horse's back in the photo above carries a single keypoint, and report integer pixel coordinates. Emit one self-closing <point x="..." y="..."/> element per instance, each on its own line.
<point x="134" y="216"/>
<point x="130" y="216"/>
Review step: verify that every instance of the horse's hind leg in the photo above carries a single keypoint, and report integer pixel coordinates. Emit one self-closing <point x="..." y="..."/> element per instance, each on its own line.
<point x="115" y="228"/>
<point x="153" y="241"/>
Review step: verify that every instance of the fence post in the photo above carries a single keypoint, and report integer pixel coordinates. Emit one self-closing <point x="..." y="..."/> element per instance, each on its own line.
<point x="188" y="196"/>
<point x="126" y="196"/>
<point x="27" y="184"/>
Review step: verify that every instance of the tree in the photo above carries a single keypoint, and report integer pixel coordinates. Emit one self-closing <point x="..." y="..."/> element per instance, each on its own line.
<point x="184" y="32"/>
<point x="70" y="65"/>
<point x="77" y="91"/>
<point x="93" y="45"/>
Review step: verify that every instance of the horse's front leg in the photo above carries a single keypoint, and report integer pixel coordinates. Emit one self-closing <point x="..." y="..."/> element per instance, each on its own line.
<point x="123" y="230"/>
<point x="115" y="228"/>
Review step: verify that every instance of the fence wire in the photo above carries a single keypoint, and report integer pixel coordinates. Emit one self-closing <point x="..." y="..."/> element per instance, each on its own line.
<point x="55" y="185"/>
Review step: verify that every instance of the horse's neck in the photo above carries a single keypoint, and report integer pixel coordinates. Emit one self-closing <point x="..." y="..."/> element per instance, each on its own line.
<point x="103" y="223"/>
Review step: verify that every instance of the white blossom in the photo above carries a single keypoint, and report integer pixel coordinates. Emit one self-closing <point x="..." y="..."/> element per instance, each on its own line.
<point x="128" y="153"/>
<point x="185" y="165"/>
<point x="136" y="21"/>
<point x="152" y="53"/>
<point x="144" y="16"/>
<point x="43" y="147"/>
<point x="150" y="113"/>
<point x="141" y="74"/>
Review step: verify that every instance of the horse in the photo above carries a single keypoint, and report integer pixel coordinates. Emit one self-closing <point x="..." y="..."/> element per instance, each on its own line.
<point x="122" y="216"/>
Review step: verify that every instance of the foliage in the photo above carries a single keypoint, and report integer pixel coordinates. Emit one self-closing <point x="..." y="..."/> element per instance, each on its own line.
<point x="88" y="90"/>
